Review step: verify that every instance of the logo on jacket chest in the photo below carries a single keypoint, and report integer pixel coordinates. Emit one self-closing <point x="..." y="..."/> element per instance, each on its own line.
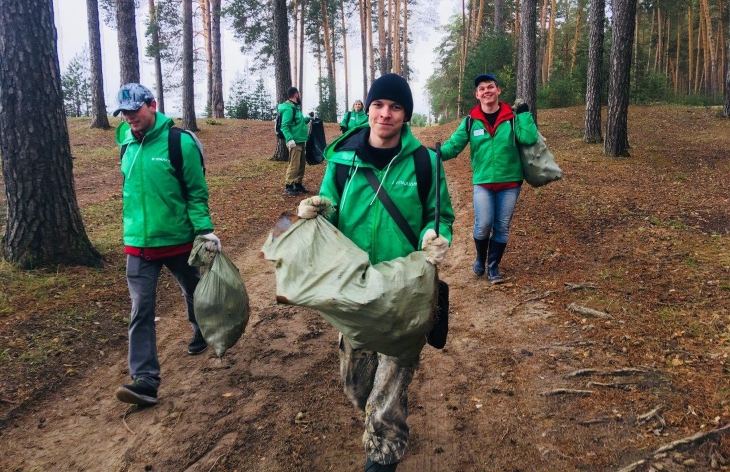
<point x="160" y="159"/>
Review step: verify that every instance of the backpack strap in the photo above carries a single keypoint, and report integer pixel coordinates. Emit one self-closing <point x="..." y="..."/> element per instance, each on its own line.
<point x="469" y="123"/>
<point x="174" y="149"/>
<point x="389" y="205"/>
<point x="424" y="176"/>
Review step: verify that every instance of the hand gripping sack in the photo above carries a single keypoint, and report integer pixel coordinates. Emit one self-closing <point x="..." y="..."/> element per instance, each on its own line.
<point x="220" y="300"/>
<point x="387" y="307"/>
<point x="538" y="164"/>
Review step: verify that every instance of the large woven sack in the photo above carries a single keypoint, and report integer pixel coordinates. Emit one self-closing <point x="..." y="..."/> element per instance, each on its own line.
<point x="220" y="300"/>
<point x="387" y="307"/>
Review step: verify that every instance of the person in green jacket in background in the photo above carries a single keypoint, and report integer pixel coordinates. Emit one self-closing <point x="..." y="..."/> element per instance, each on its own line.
<point x="374" y="382"/>
<point x="294" y="127"/>
<point x="492" y="129"/>
<point x="163" y="210"/>
<point x="354" y="117"/>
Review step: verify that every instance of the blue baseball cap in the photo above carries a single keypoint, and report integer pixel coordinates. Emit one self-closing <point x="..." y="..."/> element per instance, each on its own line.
<point x="485" y="78"/>
<point x="131" y="97"/>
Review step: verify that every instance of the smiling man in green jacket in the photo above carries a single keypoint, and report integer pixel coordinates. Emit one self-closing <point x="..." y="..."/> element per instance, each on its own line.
<point x="374" y="382"/>
<point x="165" y="207"/>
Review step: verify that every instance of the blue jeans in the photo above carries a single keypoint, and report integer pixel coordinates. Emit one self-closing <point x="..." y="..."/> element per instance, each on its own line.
<point x="142" y="276"/>
<point x="493" y="212"/>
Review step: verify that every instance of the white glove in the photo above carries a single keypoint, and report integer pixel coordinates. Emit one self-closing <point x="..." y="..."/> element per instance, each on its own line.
<point x="213" y="244"/>
<point x="435" y="246"/>
<point x="310" y="207"/>
<point x="291" y="144"/>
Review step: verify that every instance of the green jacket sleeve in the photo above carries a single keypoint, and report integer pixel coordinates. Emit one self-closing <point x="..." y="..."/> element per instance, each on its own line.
<point x="287" y="121"/>
<point x="456" y="143"/>
<point x="446" y="213"/>
<point x="525" y="129"/>
<point x="196" y="187"/>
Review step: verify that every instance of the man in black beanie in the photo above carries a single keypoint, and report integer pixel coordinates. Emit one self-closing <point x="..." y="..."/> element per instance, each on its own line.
<point x="387" y="152"/>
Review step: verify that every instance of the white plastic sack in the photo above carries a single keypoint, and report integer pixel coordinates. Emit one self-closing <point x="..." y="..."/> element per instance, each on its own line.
<point x="538" y="164"/>
<point x="386" y="307"/>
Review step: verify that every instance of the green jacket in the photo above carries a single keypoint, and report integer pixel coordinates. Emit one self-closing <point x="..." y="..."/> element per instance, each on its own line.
<point x="156" y="213"/>
<point x="359" y="213"/>
<point x="293" y="122"/>
<point x="353" y="119"/>
<point x="494" y="155"/>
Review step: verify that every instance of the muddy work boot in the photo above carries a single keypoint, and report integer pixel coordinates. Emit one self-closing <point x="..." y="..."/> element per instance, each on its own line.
<point x="496" y="251"/>
<point x="300" y="188"/>
<point x="479" y="263"/>
<point x="291" y="191"/>
<point x="372" y="466"/>
<point x="137" y="393"/>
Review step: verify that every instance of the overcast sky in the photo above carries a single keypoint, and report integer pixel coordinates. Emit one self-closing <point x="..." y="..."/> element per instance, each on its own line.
<point x="73" y="35"/>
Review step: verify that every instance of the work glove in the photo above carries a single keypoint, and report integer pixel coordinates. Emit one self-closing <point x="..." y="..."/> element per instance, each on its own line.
<point x="521" y="107"/>
<point x="213" y="244"/>
<point x="311" y="207"/>
<point x="291" y="144"/>
<point x="436" y="247"/>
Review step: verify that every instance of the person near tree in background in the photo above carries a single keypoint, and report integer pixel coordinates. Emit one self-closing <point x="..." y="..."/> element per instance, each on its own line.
<point x="294" y="127"/>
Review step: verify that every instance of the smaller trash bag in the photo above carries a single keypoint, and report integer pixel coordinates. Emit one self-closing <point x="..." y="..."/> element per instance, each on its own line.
<point x="316" y="142"/>
<point x="538" y="164"/>
<point x="220" y="299"/>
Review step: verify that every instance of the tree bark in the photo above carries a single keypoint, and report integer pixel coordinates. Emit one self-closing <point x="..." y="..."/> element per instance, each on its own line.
<point x="300" y="84"/>
<point x="616" y="143"/>
<point x="596" y="18"/>
<point x="127" y="41"/>
<point x="205" y="15"/>
<point x="527" y="60"/>
<point x="217" y="106"/>
<point x="362" y="5"/>
<point x="344" y="57"/>
<point x="726" y="107"/>
<point x="155" y="38"/>
<point x="498" y="16"/>
<point x="282" y="66"/>
<point x="44" y="225"/>
<point x="99" y="118"/>
<point x="188" y="80"/>
<point x="381" y="37"/>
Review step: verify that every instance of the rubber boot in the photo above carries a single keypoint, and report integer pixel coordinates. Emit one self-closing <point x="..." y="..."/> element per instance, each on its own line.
<point x="496" y="251"/>
<point x="372" y="466"/>
<point x="481" y="245"/>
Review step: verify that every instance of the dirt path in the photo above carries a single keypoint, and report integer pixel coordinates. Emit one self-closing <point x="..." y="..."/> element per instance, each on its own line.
<point x="274" y="403"/>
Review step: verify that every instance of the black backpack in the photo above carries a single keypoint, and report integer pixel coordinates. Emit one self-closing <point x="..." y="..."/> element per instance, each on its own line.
<point x="277" y="126"/>
<point x="174" y="150"/>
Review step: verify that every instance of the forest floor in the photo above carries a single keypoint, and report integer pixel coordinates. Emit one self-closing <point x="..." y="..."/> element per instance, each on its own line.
<point x="529" y="379"/>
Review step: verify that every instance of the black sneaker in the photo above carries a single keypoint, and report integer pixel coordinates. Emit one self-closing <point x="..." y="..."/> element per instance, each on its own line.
<point x="197" y="344"/>
<point x="137" y="393"/>
<point x="291" y="191"/>
<point x="300" y="188"/>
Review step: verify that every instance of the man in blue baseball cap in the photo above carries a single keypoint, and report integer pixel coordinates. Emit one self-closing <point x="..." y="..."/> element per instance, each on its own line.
<point x="165" y="207"/>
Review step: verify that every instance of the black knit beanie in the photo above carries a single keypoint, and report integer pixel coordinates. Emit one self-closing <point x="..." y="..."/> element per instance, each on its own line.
<point x="392" y="87"/>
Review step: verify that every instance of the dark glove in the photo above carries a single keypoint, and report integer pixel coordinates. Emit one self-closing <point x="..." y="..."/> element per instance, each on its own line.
<point x="521" y="108"/>
<point x="311" y="114"/>
<point x="343" y="129"/>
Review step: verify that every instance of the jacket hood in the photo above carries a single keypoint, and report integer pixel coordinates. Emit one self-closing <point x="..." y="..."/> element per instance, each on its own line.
<point x="342" y="149"/>
<point x="123" y="133"/>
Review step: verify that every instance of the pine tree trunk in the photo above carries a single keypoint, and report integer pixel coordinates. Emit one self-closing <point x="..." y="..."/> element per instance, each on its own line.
<point x="381" y="37"/>
<point x="127" y="41"/>
<point x="498" y="16"/>
<point x="371" y="51"/>
<point x="406" y="68"/>
<point x="596" y="18"/>
<point x="217" y="108"/>
<point x="188" y="79"/>
<point x="616" y="143"/>
<point x="344" y="57"/>
<point x="726" y="107"/>
<point x="362" y="5"/>
<point x="690" y="51"/>
<point x="282" y="66"/>
<point x="526" y="66"/>
<point x="543" y="41"/>
<point x="99" y="118"/>
<point x="205" y="15"/>
<point x="576" y="37"/>
<point x="300" y="84"/>
<point x="155" y="38"/>
<point x="551" y="39"/>
<point x="710" y="47"/>
<point x="44" y="225"/>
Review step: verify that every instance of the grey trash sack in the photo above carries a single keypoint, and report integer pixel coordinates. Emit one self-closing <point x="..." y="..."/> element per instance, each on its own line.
<point x="386" y="307"/>
<point x="220" y="299"/>
<point x="538" y="164"/>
